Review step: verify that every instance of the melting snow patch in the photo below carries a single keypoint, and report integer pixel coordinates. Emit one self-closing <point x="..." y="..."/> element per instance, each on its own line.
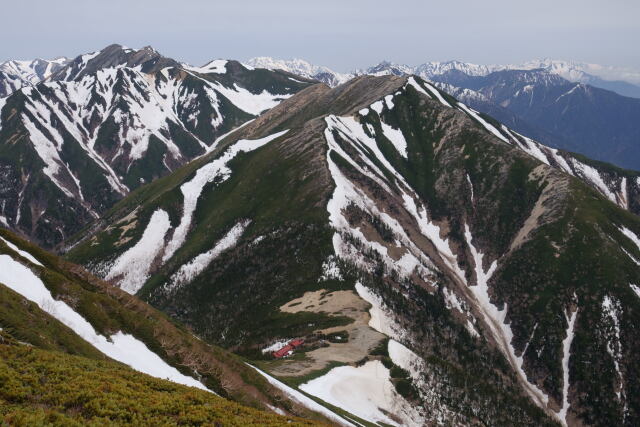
<point x="135" y="263"/>
<point x="470" y="187"/>
<point x="189" y="271"/>
<point x="365" y="391"/>
<point x="611" y="314"/>
<point x="389" y="101"/>
<point x="496" y="319"/>
<point x="252" y="103"/>
<point x="488" y="126"/>
<point x="377" y="107"/>
<point x="396" y="137"/>
<point x="217" y="66"/>
<point x="451" y="300"/>
<point x="22" y="253"/>
<point x="412" y="82"/>
<point x="303" y="400"/>
<point x="330" y="270"/>
<point x="566" y="351"/>
<point x="631" y="235"/>
<point x="432" y="231"/>
<point x="216" y="169"/>
<point x="380" y="320"/>
<point x="121" y="347"/>
<point x="592" y="175"/>
<point x="635" y="288"/>
<point x="438" y="95"/>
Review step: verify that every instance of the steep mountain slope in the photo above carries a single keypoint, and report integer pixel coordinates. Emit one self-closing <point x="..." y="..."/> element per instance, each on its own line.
<point x="385" y="208"/>
<point x="108" y="122"/>
<point x="16" y="74"/>
<point x="59" y="308"/>
<point x="594" y="122"/>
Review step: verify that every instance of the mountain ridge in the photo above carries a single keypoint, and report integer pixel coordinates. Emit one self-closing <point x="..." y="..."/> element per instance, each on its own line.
<point x="436" y="225"/>
<point x="101" y="126"/>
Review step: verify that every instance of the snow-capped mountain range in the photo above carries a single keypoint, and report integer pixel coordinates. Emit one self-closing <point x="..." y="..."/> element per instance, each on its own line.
<point x="622" y="80"/>
<point x="556" y="102"/>
<point x="106" y="122"/>
<point x="15" y="74"/>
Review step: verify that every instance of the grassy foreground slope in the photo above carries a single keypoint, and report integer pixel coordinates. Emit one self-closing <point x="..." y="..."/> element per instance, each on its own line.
<point x="110" y="310"/>
<point x="40" y="387"/>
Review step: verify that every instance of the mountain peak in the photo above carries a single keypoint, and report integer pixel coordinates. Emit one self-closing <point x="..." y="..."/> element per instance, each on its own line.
<point x="114" y="56"/>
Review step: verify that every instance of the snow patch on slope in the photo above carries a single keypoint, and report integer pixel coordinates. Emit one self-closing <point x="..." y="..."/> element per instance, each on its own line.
<point x="488" y="126"/>
<point x="133" y="266"/>
<point x="611" y="314"/>
<point x="495" y="319"/>
<point x="566" y="354"/>
<point x="438" y="95"/>
<point x="22" y="253"/>
<point x="217" y="66"/>
<point x="365" y="391"/>
<point x="412" y="82"/>
<point x="304" y="400"/>
<point x="215" y="170"/>
<point x="592" y="175"/>
<point x="346" y="193"/>
<point x="330" y="270"/>
<point x="121" y="347"/>
<point x="396" y="137"/>
<point x="381" y="320"/>
<point x="190" y="270"/>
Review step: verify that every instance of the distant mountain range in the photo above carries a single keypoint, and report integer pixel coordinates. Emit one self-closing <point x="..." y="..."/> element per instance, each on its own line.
<point x="620" y="80"/>
<point x="556" y="102"/>
<point x="16" y="74"/>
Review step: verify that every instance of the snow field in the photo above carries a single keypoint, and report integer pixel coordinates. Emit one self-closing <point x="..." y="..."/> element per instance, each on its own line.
<point x="365" y="391"/>
<point x="134" y="264"/>
<point x="304" y="400"/>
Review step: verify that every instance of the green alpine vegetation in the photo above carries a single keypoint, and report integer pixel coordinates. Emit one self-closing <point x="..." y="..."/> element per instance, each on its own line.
<point x="41" y="387"/>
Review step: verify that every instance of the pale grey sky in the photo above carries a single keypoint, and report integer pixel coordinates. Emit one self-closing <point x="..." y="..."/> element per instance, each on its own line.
<point x="342" y="34"/>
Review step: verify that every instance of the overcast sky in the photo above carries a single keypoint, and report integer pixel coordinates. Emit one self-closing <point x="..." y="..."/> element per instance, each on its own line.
<point x="342" y="34"/>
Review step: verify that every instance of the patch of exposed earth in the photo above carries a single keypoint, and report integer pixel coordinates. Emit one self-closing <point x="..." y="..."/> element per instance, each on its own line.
<point x="362" y="338"/>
